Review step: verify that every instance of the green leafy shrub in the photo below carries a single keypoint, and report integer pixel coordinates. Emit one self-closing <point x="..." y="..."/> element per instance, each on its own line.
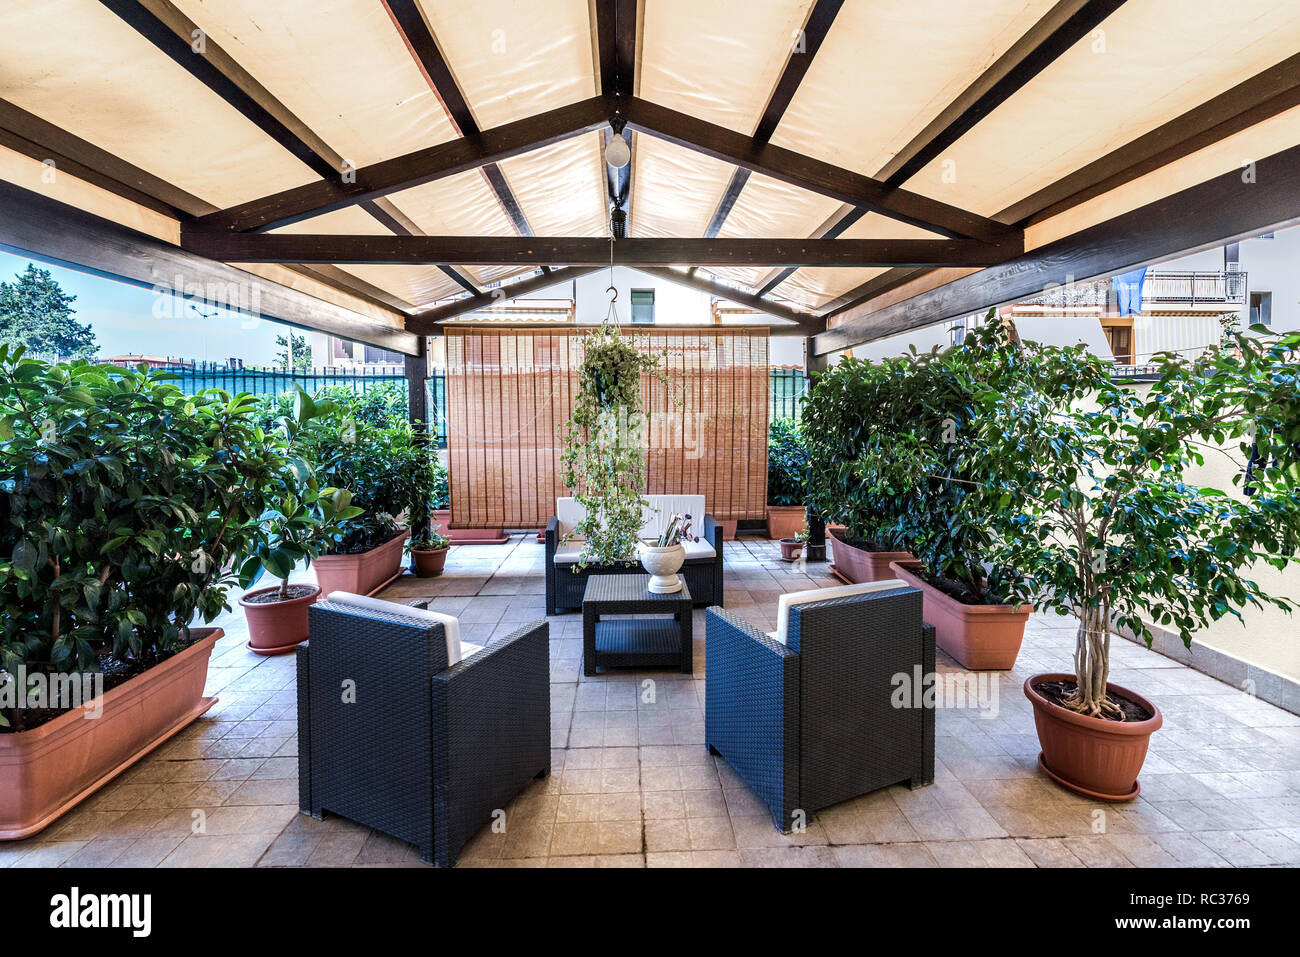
<point x="1087" y="489"/>
<point x="126" y="504"/>
<point x="787" y="463"/>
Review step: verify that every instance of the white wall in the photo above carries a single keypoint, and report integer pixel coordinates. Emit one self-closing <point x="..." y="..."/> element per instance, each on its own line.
<point x="1052" y="330"/>
<point x="674" y="303"/>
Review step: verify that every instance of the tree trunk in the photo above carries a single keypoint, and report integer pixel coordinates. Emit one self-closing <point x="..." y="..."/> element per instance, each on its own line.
<point x="1092" y="665"/>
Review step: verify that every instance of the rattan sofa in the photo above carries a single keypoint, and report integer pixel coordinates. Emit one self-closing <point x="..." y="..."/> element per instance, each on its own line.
<point x="392" y="736"/>
<point x="702" y="570"/>
<point x="806" y="716"/>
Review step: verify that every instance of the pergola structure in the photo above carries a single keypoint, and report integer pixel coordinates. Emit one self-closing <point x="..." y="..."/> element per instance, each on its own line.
<point x="853" y="168"/>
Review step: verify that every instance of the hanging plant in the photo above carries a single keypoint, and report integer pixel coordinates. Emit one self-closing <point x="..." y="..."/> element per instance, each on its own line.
<point x="604" y="460"/>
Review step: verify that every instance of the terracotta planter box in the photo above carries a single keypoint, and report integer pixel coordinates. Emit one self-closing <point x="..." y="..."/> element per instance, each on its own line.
<point x="785" y="521"/>
<point x="52" y="768"/>
<point x="277" y="627"/>
<point x="468" y="536"/>
<point x="364" y="573"/>
<point x="1091" y="756"/>
<point x="728" y="528"/>
<point x="856" y="565"/>
<point x="980" y="637"/>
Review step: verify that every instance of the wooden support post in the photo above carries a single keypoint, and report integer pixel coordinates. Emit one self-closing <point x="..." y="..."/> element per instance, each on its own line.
<point x="417" y="406"/>
<point x="815" y="548"/>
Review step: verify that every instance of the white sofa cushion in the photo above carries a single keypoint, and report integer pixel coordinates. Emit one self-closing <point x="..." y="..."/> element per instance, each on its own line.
<point x="654" y="517"/>
<point x="571" y="551"/>
<point x="457" y="650"/>
<point x="792" y="598"/>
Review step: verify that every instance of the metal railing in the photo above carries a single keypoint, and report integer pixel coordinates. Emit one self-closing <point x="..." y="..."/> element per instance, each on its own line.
<point x="788" y="388"/>
<point x="1195" y="288"/>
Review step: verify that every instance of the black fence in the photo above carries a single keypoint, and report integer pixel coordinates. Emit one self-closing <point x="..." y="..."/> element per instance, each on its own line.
<point x="789" y="386"/>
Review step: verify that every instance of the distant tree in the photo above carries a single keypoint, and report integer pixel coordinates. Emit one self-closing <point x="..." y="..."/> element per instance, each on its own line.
<point x="35" y="312"/>
<point x="300" y="353"/>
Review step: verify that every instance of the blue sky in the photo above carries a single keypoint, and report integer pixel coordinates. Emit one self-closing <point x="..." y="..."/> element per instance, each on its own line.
<point x="123" y="317"/>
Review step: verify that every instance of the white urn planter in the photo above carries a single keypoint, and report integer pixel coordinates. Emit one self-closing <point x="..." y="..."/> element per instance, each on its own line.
<point x="663" y="562"/>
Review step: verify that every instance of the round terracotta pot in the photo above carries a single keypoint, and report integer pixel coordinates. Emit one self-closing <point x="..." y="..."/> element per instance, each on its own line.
<point x="1091" y="756"/>
<point x="429" y="561"/>
<point x="790" y="549"/>
<point x="663" y="562"/>
<point x="277" y="627"/>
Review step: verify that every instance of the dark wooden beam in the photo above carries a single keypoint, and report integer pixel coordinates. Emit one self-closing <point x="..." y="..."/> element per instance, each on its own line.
<point x="873" y="287"/>
<point x="616" y="45"/>
<point x="203" y="68"/>
<point x="1221" y="210"/>
<point x="413" y="169"/>
<point x="1253" y="101"/>
<point x="796" y="323"/>
<point x="423" y="46"/>
<point x="390" y="217"/>
<point x="32" y="136"/>
<point x="820" y="18"/>
<point x="583" y="251"/>
<point x="427" y="322"/>
<point x="43" y="228"/>
<point x="808" y="173"/>
<point x="830" y="230"/>
<point x="1064" y="25"/>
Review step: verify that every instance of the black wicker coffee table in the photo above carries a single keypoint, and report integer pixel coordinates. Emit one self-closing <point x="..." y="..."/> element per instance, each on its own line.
<point x="641" y="642"/>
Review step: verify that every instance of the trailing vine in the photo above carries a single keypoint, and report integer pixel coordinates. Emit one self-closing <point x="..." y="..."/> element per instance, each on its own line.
<point x="604" y="460"/>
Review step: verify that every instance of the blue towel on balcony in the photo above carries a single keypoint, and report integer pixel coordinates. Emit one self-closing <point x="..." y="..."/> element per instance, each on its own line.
<point x="1128" y="291"/>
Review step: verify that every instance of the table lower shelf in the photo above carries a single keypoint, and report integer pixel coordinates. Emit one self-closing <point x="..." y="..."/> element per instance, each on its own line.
<point x="640" y="642"/>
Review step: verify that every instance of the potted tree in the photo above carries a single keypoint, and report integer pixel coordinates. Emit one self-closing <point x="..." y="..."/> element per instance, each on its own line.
<point x="787" y="478"/>
<point x="1093" y="497"/>
<point x="125" y="504"/>
<point x="865" y="508"/>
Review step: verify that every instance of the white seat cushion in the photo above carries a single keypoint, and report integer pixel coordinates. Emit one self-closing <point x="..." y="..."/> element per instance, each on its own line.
<point x="456" y="649"/>
<point x="792" y="598"/>
<point x="654" y="516"/>
<point x="570" y="552"/>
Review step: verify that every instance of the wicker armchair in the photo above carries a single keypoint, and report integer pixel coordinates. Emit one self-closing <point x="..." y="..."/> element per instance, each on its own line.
<point x="391" y="736"/>
<point x="809" y="721"/>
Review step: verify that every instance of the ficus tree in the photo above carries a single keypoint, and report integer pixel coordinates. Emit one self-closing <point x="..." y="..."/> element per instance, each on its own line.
<point x="1087" y="484"/>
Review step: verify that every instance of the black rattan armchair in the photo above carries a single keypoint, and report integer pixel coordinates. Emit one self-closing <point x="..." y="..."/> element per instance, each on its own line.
<point x="813" y="722"/>
<point x="391" y="737"/>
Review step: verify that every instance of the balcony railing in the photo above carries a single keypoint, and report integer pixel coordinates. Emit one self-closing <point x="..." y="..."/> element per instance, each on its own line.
<point x="1195" y="288"/>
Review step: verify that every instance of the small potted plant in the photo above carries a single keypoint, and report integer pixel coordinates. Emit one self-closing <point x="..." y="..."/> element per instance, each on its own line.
<point x="792" y="548"/>
<point x="787" y="478"/>
<point x="663" y="558"/>
<point x="303" y="523"/>
<point x="429" y="551"/>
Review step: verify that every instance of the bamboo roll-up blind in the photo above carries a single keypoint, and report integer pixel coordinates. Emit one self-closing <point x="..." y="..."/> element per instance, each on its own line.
<point x="510" y="392"/>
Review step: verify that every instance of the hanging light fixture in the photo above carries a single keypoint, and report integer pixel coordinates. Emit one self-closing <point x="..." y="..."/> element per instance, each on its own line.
<point x="617" y="153"/>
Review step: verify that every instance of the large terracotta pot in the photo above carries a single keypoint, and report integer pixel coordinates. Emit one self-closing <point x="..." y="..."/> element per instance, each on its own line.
<point x="980" y="637"/>
<point x="277" y="627"/>
<point x="1091" y="756"/>
<point x="429" y="561"/>
<point x="729" y="526"/>
<point x="785" y="521"/>
<point x="856" y="565"/>
<point x="468" y="536"/>
<point x="53" y="767"/>
<point x="364" y="573"/>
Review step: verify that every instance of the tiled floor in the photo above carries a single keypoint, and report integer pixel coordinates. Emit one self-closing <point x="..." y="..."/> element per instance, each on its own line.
<point x="633" y="785"/>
